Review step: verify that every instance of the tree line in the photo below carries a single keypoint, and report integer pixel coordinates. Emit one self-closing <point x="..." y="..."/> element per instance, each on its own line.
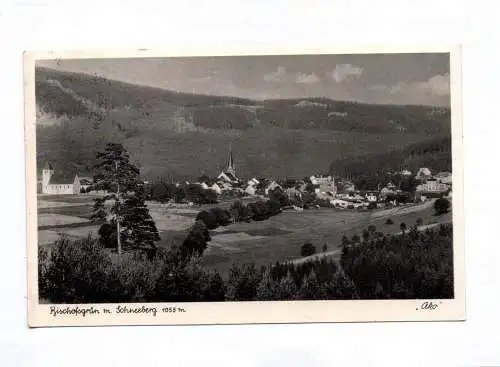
<point x="413" y="265"/>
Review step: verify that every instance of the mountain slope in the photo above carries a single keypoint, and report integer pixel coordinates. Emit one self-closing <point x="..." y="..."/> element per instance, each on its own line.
<point x="180" y="135"/>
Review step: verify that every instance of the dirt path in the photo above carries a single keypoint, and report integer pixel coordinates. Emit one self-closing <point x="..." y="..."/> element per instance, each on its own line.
<point x="338" y="251"/>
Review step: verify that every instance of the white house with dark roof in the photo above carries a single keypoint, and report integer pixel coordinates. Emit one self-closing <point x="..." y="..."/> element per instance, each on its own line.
<point x="423" y="173"/>
<point x="58" y="183"/>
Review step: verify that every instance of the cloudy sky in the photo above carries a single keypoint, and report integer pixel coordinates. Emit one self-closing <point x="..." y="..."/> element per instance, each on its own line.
<point x="373" y="78"/>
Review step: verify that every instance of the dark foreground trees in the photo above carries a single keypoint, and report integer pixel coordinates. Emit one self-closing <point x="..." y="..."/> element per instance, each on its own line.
<point x="403" y="267"/>
<point x="416" y="266"/>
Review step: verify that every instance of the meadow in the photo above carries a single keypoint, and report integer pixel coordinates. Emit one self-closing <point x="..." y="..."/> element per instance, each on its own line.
<point x="278" y="238"/>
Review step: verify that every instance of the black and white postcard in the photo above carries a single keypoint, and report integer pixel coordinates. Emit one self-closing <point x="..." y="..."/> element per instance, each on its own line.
<point x="244" y="186"/>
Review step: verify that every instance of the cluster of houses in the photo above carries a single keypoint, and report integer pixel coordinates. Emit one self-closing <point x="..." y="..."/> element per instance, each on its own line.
<point x="341" y="194"/>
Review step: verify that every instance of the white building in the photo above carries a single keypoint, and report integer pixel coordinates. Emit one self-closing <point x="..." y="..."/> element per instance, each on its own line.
<point x="433" y="186"/>
<point x="253" y="182"/>
<point x="250" y="190"/>
<point x="215" y="187"/>
<point x="423" y="174"/>
<point x="272" y="186"/>
<point x="56" y="183"/>
<point x="326" y="185"/>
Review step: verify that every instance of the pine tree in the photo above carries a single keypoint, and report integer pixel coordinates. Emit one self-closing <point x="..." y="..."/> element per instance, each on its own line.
<point x="310" y="288"/>
<point x="286" y="288"/>
<point x="266" y="290"/>
<point x="341" y="287"/>
<point x="138" y="225"/>
<point x="128" y="214"/>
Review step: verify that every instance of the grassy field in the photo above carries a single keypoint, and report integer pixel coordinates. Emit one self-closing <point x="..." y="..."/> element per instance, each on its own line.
<point x="281" y="237"/>
<point x="276" y="239"/>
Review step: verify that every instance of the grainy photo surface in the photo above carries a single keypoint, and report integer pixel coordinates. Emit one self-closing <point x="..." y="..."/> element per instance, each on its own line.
<point x="239" y="180"/>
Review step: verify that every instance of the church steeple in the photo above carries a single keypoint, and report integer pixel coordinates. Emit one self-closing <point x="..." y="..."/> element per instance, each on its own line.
<point x="230" y="164"/>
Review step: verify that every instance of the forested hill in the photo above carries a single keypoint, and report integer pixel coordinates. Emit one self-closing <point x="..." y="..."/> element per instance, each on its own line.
<point x="434" y="154"/>
<point x="182" y="135"/>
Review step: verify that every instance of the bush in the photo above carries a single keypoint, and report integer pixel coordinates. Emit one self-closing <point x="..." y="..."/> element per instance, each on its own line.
<point x="274" y="206"/>
<point x="208" y="218"/>
<point x="441" y="206"/>
<point x="372" y="206"/>
<point x="107" y="235"/>
<point x="222" y="216"/>
<point x="239" y="211"/>
<point x="307" y="249"/>
<point x="389" y="221"/>
<point x="259" y="210"/>
<point x="84" y="272"/>
<point x="196" y="242"/>
<point x="76" y="272"/>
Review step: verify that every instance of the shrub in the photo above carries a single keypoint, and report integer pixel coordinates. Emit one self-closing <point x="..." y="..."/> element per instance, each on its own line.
<point x="259" y="210"/>
<point x="222" y="216"/>
<point x="307" y="249"/>
<point x="389" y="221"/>
<point x="43" y="266"/>
<point x="441" y="206"/>
<point x="239" y="211"/>
<point x="196" y="241"/>
<point x="208" y="218"/>
<point x="187" y="282"/>
<point x="372" y="206"/>
<point x="107" y="235"/>
<point x="77" y="272"/>
<point x="273" y="206"/>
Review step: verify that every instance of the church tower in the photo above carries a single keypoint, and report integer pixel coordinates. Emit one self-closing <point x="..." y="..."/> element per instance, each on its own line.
<point x="47" y="172"/>
<point x="230" y="164"/>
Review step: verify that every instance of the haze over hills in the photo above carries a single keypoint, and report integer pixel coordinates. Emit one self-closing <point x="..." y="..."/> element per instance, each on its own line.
<point x="182" y="136"/>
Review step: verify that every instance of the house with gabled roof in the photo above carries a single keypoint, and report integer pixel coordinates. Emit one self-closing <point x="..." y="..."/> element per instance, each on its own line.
<point x="59" y="183"/>
<point x="423" y="174"/>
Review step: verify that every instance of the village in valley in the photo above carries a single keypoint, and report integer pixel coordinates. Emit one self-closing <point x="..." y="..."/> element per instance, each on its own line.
<point x="325" y="190"/>
<point x="318" y="208"/>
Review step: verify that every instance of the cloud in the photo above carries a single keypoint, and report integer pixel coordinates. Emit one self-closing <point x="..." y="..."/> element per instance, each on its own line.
<point x="277" y="76"/>
<point x="438" y="85"/>
<point x="345" y="71"/>
<point x="306" y="78"/>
